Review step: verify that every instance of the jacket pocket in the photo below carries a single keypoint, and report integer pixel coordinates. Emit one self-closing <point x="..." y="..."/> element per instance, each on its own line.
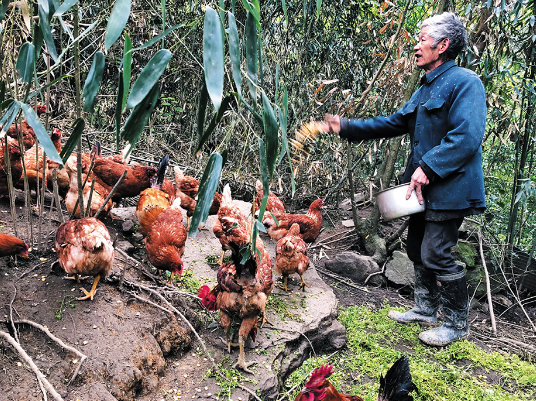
<point x="408" y="108"/>
<point x="434" y="104"/>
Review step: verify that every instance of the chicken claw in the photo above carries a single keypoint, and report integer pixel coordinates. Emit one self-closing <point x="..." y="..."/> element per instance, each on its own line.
<point x="284" y="287"/>
<point x="76" y="277"/>
<point x="229" y="341"/>
<point x="91" y="293"/>
<point x="241" y="363"/>
<point x="303" y="284"/>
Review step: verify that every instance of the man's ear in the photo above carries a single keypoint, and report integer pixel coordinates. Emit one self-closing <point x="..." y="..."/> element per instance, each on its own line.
<point x="443" y="45"/>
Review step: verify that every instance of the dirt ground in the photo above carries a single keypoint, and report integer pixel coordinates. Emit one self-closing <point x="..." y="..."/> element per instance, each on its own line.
<point x="169" y="362"/>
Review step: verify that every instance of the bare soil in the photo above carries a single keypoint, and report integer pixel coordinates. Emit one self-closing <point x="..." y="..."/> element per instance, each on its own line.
<point x="167" y="361"/>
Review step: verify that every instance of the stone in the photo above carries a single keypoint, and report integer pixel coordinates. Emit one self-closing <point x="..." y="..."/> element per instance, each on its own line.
<point x="348" y="223"/>
<point x="125" y="246"/>
<point x="399" y="269"/>
<point x="353" y="265"/>
<point x="128" y="227"/>
<point x="347" y="204"/>
<point x="124" y="213"/>
<point x="138" y="237"/>
<point x="465" y="252"/>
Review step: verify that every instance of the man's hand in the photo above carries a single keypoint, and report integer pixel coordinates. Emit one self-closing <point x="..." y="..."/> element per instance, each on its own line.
<point x="332" y="123"/>
<point x="418" y="181"/>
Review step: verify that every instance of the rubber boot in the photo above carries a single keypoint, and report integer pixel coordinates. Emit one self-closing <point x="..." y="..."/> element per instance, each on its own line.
<point x="455" y="300"/>
<point x="427" y="298"/>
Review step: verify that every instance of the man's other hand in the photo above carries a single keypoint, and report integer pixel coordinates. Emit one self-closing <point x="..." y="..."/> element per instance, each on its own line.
<point x="418" y="181"/>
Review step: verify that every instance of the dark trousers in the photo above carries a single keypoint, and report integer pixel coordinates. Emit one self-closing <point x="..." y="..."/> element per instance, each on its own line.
<point x="430" y="242"/>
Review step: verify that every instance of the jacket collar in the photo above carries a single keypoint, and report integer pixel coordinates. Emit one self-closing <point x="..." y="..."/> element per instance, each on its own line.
<point x="428" y="78"/>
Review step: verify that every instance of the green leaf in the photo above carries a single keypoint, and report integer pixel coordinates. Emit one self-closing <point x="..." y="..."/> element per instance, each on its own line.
<point x="283" y="115"/>
<point x="3" y="8"/>
<point x="38" y="91"/>
<point x="213" y="56"/>
<point x="139" y="117"/>
<point x="201" y="110"/>
<point x="284" y="5"/>
<point x="26" y="62"/>
<point x="78" y="38"/>
<point x="149" y="77"/>
<point x="157" y="38"/>
<point x="45" y="28"/>
<point x="127" y="69"/>
<point x="234" y="52"/>
<point x="318" y="7"/>
<point x="77" y="131"/>
<point x="265" y="179"/>
<point x="116" y="23"/>
<point x="10" y="114"/>
<point x="66" y="6"/>
<point x="38" y="40"/>
<point x="45" y="5"/>
<point x="55" y="5"/>
<point x="119" y="107"/>
<point x="254" y="8"/>
<point x="93" y="80"/>
<point x="214" y="122"/>
<point x="251" y="57"/>
<point x="270" y="131"/>
<point x="205" y="195"/>
<point x="41" y="133"/>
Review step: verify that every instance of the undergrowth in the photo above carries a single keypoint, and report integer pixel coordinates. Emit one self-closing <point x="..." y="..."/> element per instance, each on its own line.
<point x="452" y="373"/>
<point x="233" y="378"/>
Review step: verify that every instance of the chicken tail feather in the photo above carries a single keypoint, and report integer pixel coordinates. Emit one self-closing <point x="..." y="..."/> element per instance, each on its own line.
<point x="397" y="383"/>
<point x="158" y="179"/>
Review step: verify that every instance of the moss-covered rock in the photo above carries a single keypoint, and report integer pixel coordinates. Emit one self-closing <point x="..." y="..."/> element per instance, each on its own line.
<point x="466" y="252"/>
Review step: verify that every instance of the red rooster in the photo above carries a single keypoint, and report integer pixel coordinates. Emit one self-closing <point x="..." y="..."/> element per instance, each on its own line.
<point x="310" y="223"/>
<point x="396" y="385"/>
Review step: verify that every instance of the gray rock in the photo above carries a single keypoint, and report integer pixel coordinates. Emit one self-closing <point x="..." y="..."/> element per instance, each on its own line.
<point x="124" y="213"/>
<point x="128" y="226"/>
<point x="138" y="237"/>
<point x="353" y="265"/>
<point x="347" y="223"/>
<point x="347" y="204"/>
<point x="125" y="246"/>
<point x="399" y="269"/>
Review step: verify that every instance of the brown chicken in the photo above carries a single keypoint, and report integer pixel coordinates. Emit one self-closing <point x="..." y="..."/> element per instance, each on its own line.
<point x="153" y="201"/>
<point x="100" y="193"/>
<point x="242" y="291"/>
<point x="166" y="239"/>
<point x="28" y="134"/>
<point x="34" y="167"/>
<point x="274" y="204"/>
<point x="291" y="256"/>
<point x="137" y="179"/>
<point x="310" y="223"/>
<point x="186" y="189"/>
<point x="84" y="247"/>
<point x="396" y="385"/>
<point x="12" y="246"/>
<point x="14" y="160"/>
<point x="231" y="227"/>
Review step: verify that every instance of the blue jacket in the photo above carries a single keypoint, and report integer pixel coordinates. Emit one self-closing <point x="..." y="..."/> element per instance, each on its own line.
<point x="445" y="119"/>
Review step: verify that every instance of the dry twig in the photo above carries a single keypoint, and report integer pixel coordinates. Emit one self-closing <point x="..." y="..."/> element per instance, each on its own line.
<point x="488" y="286"/>
<point x="110" y="194"/>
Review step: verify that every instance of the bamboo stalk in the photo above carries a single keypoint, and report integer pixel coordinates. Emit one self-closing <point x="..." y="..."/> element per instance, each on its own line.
<point x="89" y="199"/>
<point x="56" y="194"/>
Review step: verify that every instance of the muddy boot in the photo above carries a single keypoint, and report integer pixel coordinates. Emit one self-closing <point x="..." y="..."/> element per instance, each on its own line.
<point x="426" y="299"/>
<point x="455" y="300"/>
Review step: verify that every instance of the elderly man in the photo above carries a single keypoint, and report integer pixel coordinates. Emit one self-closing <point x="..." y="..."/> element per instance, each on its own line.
<point x="445" y="119"/>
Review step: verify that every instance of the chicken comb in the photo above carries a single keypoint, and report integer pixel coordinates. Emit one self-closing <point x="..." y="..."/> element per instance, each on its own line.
<point x="308" y="132"/>
<point x="319" y="375"/>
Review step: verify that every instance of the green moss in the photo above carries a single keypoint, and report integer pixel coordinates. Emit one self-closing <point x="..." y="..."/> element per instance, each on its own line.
<point x="466" y="253"/>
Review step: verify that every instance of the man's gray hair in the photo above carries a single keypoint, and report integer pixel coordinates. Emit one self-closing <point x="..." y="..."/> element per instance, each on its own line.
<point x="447" y="26"/>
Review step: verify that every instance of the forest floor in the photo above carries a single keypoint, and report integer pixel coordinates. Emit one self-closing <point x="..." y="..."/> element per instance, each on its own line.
<point x="119" y="330"/>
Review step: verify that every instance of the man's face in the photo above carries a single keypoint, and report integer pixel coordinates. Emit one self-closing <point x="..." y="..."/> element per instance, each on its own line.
<point x="428" y="58"/>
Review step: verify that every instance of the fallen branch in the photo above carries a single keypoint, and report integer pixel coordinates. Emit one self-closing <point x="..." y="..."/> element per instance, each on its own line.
<point x="488" y="286"/>
<point x="40" y="376"/>
<point x="58" y="341"/>
<point x="376" y="273"/>
<point x="11" y="314"/>
<point x="175" y="310"/>
<point x="110" y="194"/>
<point x="352" y="234"/>
<point x="517" y="343"/>
<point x="398" y="232"/>
<point x="340" y="279"/>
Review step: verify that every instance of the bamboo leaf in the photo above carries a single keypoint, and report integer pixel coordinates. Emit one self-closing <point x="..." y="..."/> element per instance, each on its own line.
<point x="45" y="28"/>
<point x="78" y="38"/>
<point x="205" y="195"/>
<point x="201" y="110"/>
<point x="3" y="8"/>
<point x="93" y="80"/>
<point x="270" y="131"/>
<point x="116" y="23"/>
<point x="138" y="118"/>
<point x="119" y="108"/>
<point x="214" y="122"/>
<point x="41" y="133"/>
<point x="127" y="69"/>
<point x="10" y="114"/>
<point x="56" y="6"/>
<point x="251" y="57"/>
<point x="38" y="40"/>
<point x="284" y="5"/>
<point x="157" y="38"/>
<point x="254" y="8"/>
<point x="66" y="6"/>
<point x="213" y="56"/>
<point x="149" y="77"/>
<point x="265" y="179"/>
<point x="234" y="52"/>
<point x="283" y="116"/>
<point x="318" y="7"/>
<point x="26" y="62"/>
<point x="77" y="131"/>
<point x="26" y="14"/>
<point x="38" y="91"/>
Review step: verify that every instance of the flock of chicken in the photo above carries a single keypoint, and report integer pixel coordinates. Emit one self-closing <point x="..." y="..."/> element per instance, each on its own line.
<point x="84" y="245"/>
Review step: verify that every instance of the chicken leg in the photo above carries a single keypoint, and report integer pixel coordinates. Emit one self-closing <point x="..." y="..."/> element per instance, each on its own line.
<point x="241" y="363"/>
<point x="226" y="323"/>
<point x="303" y="284"/>
<point x="284" y="287"/>
<point x="92" y="292"/>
